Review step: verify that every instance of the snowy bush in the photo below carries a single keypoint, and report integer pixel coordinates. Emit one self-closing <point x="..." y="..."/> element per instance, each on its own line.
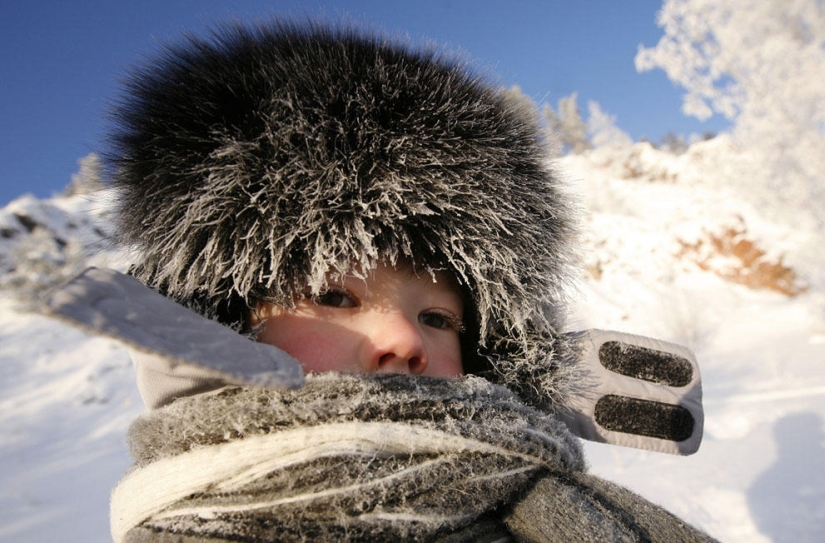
<point x="673" y="143"/>
<point x="41" y="261"/>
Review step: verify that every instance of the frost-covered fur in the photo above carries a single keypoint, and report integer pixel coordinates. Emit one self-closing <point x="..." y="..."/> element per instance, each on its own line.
<point x="256" y="162"/>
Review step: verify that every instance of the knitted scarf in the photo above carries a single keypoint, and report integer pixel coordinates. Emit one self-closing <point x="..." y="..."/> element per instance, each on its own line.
<point x="370" y="458"/>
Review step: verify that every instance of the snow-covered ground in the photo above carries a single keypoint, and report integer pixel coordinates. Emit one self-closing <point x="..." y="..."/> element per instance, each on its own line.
<point x="671" y="253"/>
<point x="760" y="473"/>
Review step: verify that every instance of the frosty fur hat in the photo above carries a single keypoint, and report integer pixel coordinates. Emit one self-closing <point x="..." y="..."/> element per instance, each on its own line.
<point x="255" y="162"/>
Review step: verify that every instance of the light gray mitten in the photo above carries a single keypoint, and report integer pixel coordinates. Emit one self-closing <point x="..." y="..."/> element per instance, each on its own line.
<point x="637" y="392"/>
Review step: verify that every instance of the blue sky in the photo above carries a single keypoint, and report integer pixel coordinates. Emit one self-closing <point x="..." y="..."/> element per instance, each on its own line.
<point x="60" y="62"/>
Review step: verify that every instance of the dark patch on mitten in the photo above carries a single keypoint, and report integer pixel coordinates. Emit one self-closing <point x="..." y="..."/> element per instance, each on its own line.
<point x="644" y="418"/>
<point x="646" y="364"/>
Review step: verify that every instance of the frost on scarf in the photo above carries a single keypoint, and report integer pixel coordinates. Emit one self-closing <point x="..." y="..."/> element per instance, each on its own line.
<point x="361" y="458"/>
<point x="370" y="458"/>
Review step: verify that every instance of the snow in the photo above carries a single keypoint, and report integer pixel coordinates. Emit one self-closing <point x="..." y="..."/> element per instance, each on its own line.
<point x="66" y="399"/>
<point x="760" y="474"/>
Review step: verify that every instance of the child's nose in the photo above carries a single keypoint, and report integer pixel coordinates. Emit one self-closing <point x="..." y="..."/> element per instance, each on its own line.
<point x="396" y="346"/>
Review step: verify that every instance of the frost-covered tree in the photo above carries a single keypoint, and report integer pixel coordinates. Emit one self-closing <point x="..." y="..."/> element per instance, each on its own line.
<point x="760" y="63"/>
<point x="602" y="129"/>
<point x="567" y="124"/>
<point x="743" y="57"/>
<point x="89" y="178"/>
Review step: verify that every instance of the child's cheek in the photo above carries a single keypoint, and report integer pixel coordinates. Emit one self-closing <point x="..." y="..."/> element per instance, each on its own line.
<point x="445" y="358"/>
<point x="318" y="346"/>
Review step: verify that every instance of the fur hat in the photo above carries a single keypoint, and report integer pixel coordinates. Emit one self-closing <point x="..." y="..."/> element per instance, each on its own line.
<point x="254" y="162"/>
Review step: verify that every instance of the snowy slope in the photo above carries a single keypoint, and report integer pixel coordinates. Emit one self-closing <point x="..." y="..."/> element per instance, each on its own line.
<point x="66" y="399"/>
<point x="760" y="474"/>
<point x="674" y="250"/>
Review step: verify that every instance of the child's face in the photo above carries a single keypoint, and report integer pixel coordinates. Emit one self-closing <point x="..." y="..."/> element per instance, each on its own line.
<point x="394" y="321"/>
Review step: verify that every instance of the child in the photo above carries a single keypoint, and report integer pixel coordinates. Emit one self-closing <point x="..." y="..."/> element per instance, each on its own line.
<point x="369" y="209"/>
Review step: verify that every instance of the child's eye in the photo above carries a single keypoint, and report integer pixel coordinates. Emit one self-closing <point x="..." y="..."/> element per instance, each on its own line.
<point x="335" y="297"/>
<point x="441" y="321"/>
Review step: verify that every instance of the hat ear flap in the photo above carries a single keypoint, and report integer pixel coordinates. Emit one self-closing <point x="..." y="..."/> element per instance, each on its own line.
<point x="635" y="391"/>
